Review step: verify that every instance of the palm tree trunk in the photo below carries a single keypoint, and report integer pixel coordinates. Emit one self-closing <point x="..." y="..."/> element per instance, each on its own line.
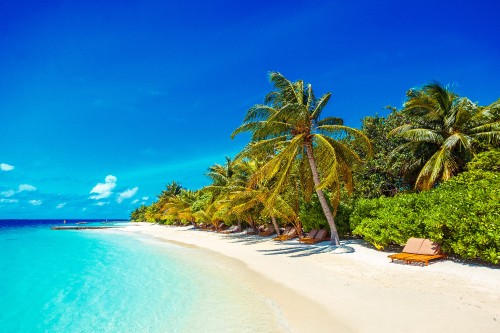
<point x="321" y="196"/>
<point x="252" y="224"/>
<point x="275" y="224"/>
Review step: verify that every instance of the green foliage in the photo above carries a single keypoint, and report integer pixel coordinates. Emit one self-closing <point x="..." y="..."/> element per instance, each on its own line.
<point x="204" y="198"/>
<point x="463" y="214"/>
<point x="486" y="161"/>
<point x="312" y="216"/>
<point x="380" y="175"/>
<point x="138" y="215"/>
<point x="384" y="221"/>
<point x="443" y="133"/>
<point x="428" y="141"/>
<point x="344" y="211"/>
<point x="290" y="129"/>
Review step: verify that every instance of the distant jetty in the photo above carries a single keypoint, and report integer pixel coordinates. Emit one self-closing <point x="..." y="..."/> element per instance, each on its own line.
<point x="81" y="227"/>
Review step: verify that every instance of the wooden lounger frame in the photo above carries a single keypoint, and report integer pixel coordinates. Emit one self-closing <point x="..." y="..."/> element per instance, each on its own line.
<point x="419" y="250"/>
<point x="288" y="234"/>
<point x="424" y="258"/>
<point x="315" y="239"/>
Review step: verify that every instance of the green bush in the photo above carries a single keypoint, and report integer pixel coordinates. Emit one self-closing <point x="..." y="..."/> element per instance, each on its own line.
<point x="463" y="214"/>
<point x="344" y="210"/>
<point x="486" y="161"/>
<point x="312" y="217"/>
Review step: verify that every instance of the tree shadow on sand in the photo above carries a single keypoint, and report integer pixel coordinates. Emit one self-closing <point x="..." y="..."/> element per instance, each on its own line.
<point x="246" y="239"/>
<point x="295" y="249"/>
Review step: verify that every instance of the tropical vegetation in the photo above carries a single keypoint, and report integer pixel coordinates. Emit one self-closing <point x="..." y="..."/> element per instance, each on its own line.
<point x="443" y="132"/>
<point x="430" y="169"/>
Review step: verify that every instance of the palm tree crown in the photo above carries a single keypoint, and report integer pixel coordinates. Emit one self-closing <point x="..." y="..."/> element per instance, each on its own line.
<point x="443" y="132"/>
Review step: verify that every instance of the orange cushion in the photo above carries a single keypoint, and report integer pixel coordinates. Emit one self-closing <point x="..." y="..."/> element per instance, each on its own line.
<point x="413" y="245"/>
<point x="312" y="233"/>
<point x="321" y="234"/>
<point x="429" y="248"/>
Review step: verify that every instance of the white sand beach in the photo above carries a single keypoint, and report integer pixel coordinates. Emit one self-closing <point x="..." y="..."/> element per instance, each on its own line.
<point x="355" y="288"/>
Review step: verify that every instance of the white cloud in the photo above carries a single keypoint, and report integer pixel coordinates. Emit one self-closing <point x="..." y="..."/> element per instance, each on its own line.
<point x="8" y="200"/>
<point x="104" y="190"/>
<point x="135" y="201"/>
<point x="21" y="188"/>
<point x="61" y="205"/>
<point x="129" y="193"/>
<point x="26" y="187"/>
<point x="6" y="167"/>
<point x="101" y="203"/>
<point x="8" y="193"/>
<point x="35" y="202"/>
<point x="145" y="198"/>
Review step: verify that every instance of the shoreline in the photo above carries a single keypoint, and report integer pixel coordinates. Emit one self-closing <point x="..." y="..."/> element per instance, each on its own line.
<point x="355" y="288"/>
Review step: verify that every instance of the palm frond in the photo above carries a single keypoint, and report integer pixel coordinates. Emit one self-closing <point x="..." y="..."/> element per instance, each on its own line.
<point x="462" y="140"/>
<point x="326" y="154"/>
<point x="287" y="89"/>
<point x="247" y="127"/>
<point x="441" y="163"/>
<point x="400" y="129"/>
<point x="320" y="105"/>
<point x="258" y="112"/>
<point x="331" y="121"/>
<point x="271" y="168"/>
<point x="422" y="134"/>
<point x="343" y="132"/>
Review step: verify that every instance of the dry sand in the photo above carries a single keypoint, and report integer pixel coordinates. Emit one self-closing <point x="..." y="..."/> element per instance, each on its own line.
<point x="355" y="288"/>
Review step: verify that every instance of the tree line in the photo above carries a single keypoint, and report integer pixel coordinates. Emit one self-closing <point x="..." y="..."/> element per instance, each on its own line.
<point x="308" y="170"/>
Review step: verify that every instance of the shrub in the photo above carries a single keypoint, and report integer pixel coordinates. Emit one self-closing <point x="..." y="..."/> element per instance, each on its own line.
<point x="312" y="217"/>
<point x="487" y="161"/>
<point x="463" y="214"/>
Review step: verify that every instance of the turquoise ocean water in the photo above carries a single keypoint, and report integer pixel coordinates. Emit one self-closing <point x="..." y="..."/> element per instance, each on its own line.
<point x="94" y="281"/>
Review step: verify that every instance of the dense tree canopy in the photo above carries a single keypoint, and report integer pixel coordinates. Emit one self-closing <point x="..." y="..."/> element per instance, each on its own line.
<point x="299" y="168"/>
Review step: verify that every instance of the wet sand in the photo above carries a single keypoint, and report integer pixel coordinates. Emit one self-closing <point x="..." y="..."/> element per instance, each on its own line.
<point x="353" y="288"/>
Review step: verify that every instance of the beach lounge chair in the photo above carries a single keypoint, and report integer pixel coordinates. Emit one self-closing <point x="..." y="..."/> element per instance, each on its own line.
<point x="309" y="235"/>
<point x="419" y="250"/>
<point x="251" y="231"/>
<point x="232" y="229"/>
<point x="221" y="227"/>
<point x="320" y="236"/>
<point x="289" y="233"/>
<point x="285" y="231"/>
<point x="268" y="231"/>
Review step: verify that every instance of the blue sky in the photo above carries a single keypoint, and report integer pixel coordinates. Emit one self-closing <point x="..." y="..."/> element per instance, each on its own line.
<point x="119" y="98"/>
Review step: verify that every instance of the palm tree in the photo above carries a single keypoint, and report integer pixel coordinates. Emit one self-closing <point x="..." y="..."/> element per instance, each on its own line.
<point x="224" y="179"/>
<point x="179" y="207"/>
<point x="443" y="133"/>
<point x="221" y="174"/>
<point x="171" y="190"/>
<point x="257" y="198"/>
<point x="288" y="127"/>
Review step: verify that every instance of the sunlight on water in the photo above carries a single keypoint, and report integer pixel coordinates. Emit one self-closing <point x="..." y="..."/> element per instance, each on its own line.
<point x="91" y="281"/>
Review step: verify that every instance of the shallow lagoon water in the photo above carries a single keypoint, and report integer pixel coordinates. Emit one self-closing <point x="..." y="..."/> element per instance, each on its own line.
<point x="99" y="281"/>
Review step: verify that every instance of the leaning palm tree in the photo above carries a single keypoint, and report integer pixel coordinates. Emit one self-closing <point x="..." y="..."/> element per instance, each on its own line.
<point x="248" y="199"/>
<point x="289" y="127"/>
<point x="443" y="133"/>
